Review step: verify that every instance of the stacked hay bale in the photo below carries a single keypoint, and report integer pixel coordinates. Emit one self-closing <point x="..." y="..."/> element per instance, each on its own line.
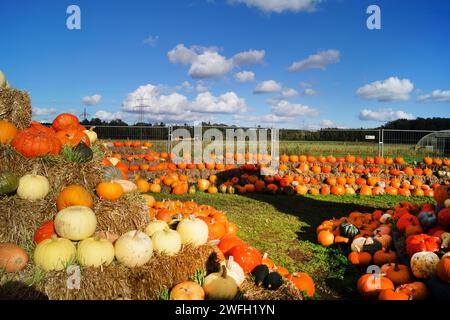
<point x="15" y="106"/>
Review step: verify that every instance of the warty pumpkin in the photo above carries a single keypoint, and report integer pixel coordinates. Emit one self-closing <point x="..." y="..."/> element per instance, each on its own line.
<point x="34" y="143"/>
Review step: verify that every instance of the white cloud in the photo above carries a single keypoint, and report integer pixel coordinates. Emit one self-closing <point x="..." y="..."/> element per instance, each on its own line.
<point x="201" y="87"/>
<point x="267" y="118"/>
<point x="44" y="111"/>
<point x="207" y="62"/>
<point x="226" y="103"/>
<point x="185" y="86"/>
<point x="285" y="108"/>
<point x="390" y="89"/>
<point x="108" y="116"/>
<point x="383" y="115"/>
<point x="244" y="76"/>
<point x="316" y="61"/>
<point x="279" y="6"/>
<point x="210" y="65"/>
<point x="181" y="54"/>
<point x="436" y="95"/>
<point x="273" y="118"/>
<point x="249" y="57"/>
<point x="177" y="107"/>
<point x="92" y="100"/>
<point x="268" y="86"/>
<point x="289" y="93"/>
<point x="151" y="40"/>
<point x="153" y="102"/>
<point x="310" y="92"/>
<point x="305" y="84"/>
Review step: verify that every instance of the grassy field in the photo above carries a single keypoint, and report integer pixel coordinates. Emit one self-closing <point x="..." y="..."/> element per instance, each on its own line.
<point x="284" y="227"/>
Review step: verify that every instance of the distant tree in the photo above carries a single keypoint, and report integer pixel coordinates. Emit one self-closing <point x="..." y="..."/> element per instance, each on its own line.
<point x="433" y="124"/>
<point x="118" y="122"/>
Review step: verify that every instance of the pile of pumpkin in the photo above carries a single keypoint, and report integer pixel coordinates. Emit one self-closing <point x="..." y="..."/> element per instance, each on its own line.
<point x="409" y="245"/>
<point x="71" y="237"/>
<point x="39" y="140"/>
<point x="237" y="259"/>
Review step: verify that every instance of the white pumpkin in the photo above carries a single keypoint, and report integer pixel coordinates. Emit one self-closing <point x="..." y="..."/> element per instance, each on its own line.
<point x="445" y="237"/>
<point x="220" y="286"/>
<point x="75" y="223"/>
<point x="167" y="242"/>
<point x="95" y="252"/>
<point x="2" y="80"/>
<point x="447" y="203"/>
<point x="133" y="249"/>
<point x="357" y="244"/>
<point x="114" y="161"/>
<point x="193" y="231"/>
<point x="33" y="187"/>
<point x="234" y="270"/>
<point x="54" y="253"/>
<point x="92" y="135"/>
<point x="385" y="218"/>
<point x="423" y="264"/>
<point x="127" y="185"/>
<point x="155" y="226"/>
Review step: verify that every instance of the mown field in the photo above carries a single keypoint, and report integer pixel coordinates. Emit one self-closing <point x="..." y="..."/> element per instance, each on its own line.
<point x="284" y="226"/>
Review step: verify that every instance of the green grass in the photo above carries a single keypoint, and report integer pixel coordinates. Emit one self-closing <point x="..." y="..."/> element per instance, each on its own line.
<point x="284" y="226"/>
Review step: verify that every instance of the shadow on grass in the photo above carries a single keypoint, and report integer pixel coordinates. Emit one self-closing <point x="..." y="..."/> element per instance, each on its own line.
<point x="342" y="278"/>
<point x="309" y="210"/>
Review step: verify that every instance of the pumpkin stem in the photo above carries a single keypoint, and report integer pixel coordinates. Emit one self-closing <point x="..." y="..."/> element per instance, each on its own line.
<point x="396" y="268"/>
<point x="230" y="261"/>
<point x="224" y="272"/>
<point x="192" y="217"/>
<point x="136" y="234"/>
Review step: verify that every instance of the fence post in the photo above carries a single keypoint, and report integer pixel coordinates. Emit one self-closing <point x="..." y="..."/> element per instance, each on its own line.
<point x="380" y="143"/>
<point x="169" y="137"/>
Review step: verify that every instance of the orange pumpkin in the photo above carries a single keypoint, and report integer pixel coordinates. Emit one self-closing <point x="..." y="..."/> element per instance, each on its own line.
<point x="72" y="137"/>
<point x="7" y="132"/>
<point x="74" y="195"/>
<point x="109" y="190"/>
<point x="143" y="185"/>
<point x="303" y="282"/>
<point x="187" y="290"/>
<point x="65" y="121"/>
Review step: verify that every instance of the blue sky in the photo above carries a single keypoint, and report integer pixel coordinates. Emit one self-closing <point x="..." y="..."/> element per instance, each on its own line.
<point x="290" y="63"/>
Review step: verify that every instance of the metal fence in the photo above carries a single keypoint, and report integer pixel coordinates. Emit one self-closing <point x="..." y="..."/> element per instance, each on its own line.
<point x="363" y="142"/>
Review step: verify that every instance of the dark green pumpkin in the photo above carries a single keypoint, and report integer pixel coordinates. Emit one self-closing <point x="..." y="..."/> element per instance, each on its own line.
<point x="8" y="183"/>
<point x="260" y="273"/>
<point x="273" y="281"/>
<point x="289" y="190"/>
<point x="372" y="245"/>
<point x="348" y="229"/>
<point x="84" y="151"/>
<point x="112" y="173"/>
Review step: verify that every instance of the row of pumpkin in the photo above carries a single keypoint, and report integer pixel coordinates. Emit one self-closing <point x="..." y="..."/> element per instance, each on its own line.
<point x="373" y="237"/>
<point x="257" y="158"/>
